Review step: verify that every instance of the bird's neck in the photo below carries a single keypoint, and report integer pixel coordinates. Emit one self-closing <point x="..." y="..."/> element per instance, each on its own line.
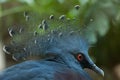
<point x="56" y="59"/>
<point x="70" y="62"/>
<point x="67" y="60"/>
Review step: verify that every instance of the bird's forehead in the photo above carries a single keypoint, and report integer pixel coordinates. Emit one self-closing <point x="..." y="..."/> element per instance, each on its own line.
<point x="74" y="44"/>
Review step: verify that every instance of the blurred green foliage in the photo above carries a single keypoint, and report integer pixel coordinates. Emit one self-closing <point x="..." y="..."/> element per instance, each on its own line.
<point x="102" y="18"/>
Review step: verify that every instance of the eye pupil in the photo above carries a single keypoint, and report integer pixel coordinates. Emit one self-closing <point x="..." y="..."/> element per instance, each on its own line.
<point x="80" y="57"/>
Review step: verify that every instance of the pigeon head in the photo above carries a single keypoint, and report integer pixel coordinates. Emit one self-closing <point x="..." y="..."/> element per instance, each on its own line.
<point x="72" y="49"/>
<point x="60" y="40"/>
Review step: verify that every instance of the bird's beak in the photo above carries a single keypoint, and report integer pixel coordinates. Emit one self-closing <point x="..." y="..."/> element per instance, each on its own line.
<point x="93" y="67"/>
<point x="98" y="70"/>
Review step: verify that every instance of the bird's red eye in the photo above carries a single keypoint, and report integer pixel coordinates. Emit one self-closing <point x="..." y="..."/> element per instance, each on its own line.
<point x="80" y="57"/>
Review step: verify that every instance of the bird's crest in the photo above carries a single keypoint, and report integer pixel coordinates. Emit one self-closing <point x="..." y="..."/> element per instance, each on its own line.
<point x="36" y="39"/>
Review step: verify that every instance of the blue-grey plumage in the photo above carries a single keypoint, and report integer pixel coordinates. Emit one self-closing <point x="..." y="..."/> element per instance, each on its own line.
<point x="64" y="51"/>
<point x="42" y="70"/>
<point x="62" y="63"/>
